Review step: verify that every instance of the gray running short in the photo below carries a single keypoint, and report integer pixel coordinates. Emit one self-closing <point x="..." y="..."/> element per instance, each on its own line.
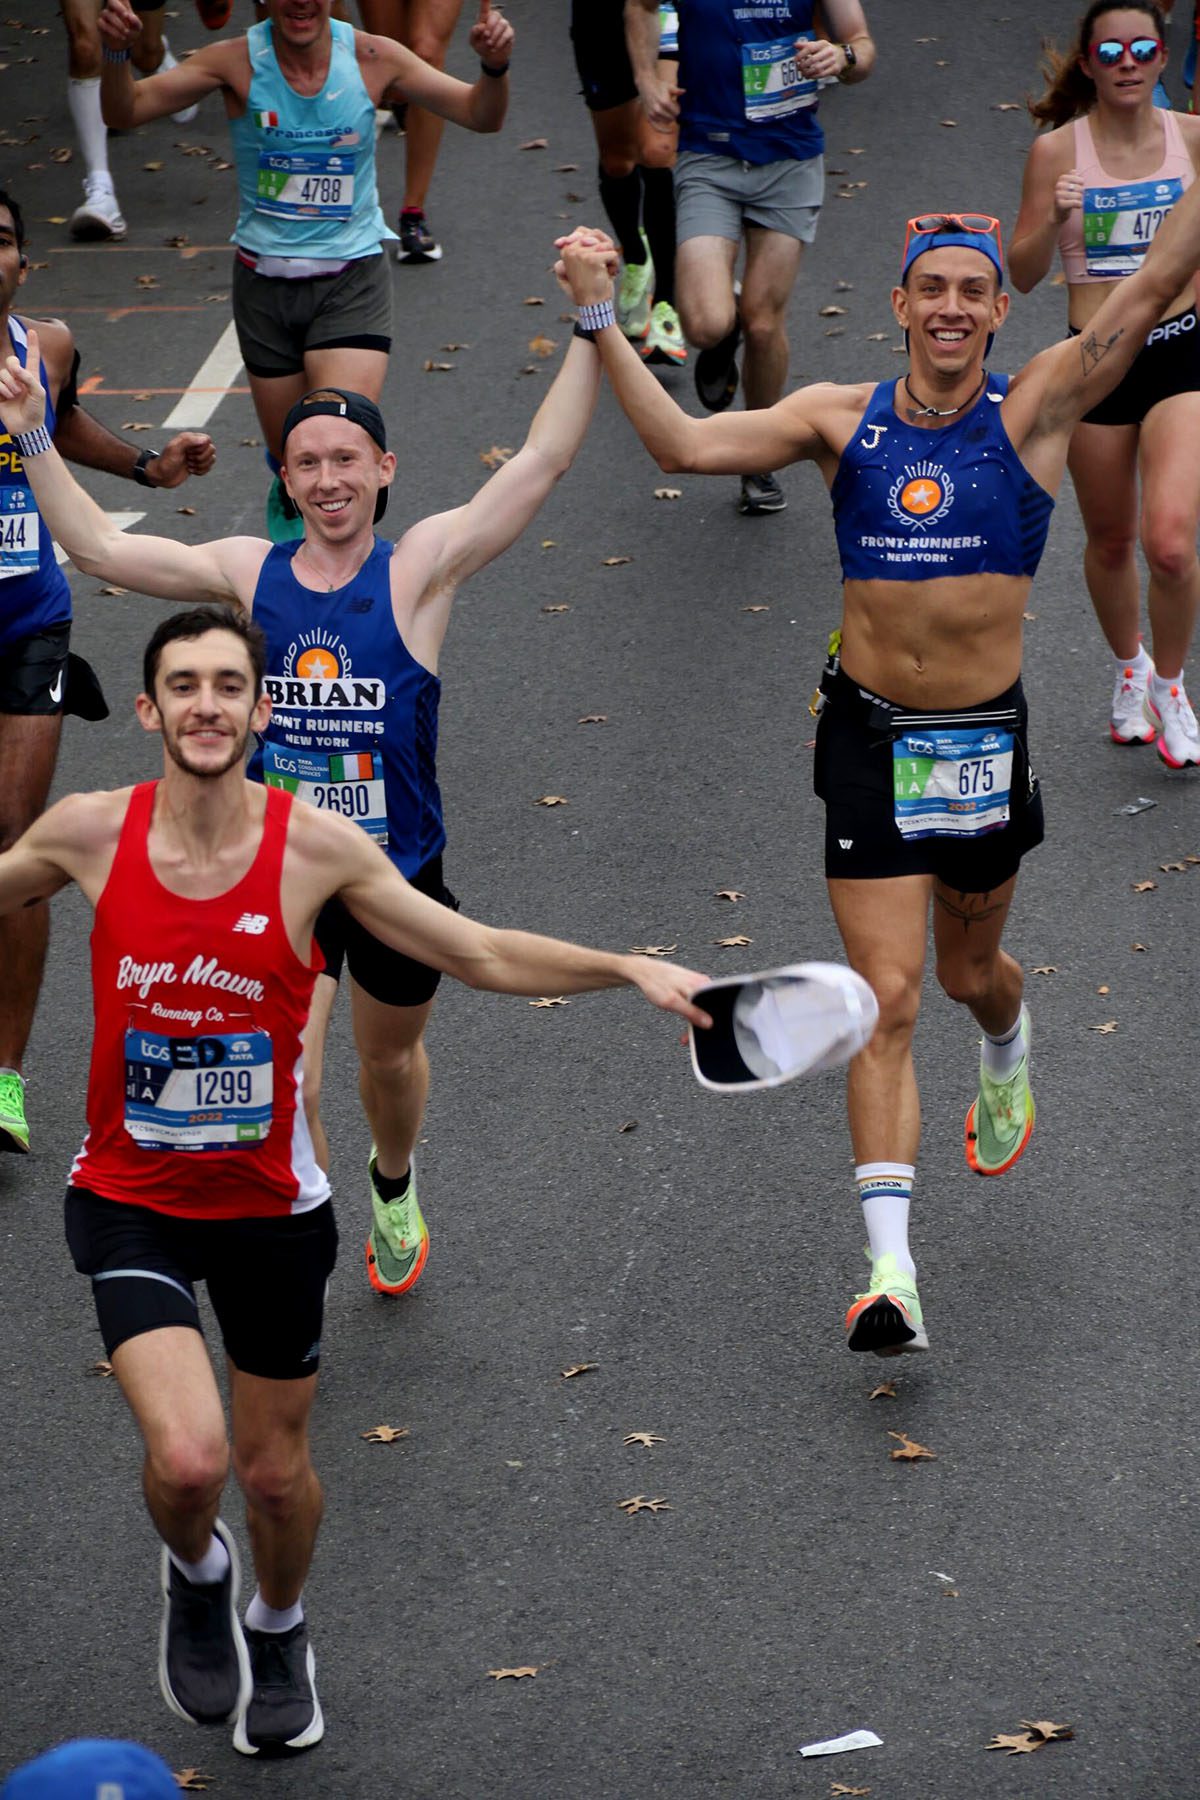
<point x="277" y="321"/>
<point x="716" y="196"/>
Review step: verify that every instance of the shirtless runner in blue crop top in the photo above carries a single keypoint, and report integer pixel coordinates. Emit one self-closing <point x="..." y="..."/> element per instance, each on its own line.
<point x="921" y="753"/>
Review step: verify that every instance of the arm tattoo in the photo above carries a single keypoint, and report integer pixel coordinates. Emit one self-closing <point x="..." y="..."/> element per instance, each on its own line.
<point x="1093" y="352"/>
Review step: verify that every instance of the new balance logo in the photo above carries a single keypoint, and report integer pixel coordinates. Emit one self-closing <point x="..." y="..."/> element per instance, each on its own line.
<point x="254" y="923"/>
<point x="845" y="843"/>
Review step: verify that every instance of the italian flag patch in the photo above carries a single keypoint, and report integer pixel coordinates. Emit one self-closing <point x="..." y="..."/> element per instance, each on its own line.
<point x="266" y="120"/>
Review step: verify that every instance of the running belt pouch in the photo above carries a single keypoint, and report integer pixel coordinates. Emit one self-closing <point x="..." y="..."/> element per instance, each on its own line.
<point x="84" y="696"/>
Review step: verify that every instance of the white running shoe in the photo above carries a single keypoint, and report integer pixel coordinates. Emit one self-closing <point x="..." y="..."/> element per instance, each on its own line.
<point x="99" y="216"/>
<point x="172" y="62"/>
<point x="1129" y="723"/>
<point x="1178" y="732"/>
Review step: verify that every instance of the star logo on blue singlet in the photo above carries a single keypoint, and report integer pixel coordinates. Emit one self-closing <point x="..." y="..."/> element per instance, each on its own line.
<point x="921" y="495"/>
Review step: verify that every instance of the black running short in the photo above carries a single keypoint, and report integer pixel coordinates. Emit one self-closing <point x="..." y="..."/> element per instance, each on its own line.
<point x="853" y="775"/>
<point x="41" y="677"/>
<point x="598" y="37"/>
<point x="1167" y="364"/>
<point x="386" y="974"/>
<point x="266" y="1278"/>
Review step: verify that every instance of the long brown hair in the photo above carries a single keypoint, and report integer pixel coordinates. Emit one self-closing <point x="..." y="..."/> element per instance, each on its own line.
<point x="1069" y="91"/>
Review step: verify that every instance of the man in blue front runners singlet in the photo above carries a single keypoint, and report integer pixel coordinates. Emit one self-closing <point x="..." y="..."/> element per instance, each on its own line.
<point x="942" y="484"/>
<point x="38" y="682"/>
<point x="354" y="626"/>
<point x="312" y="293"/>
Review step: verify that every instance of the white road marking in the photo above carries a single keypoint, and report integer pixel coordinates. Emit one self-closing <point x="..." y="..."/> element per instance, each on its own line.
<point x="211" y="382"/>
<point x="122" y="521"/>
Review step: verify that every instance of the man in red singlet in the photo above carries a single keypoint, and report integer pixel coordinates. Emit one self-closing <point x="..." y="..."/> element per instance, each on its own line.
<point x="198" y="1164"/>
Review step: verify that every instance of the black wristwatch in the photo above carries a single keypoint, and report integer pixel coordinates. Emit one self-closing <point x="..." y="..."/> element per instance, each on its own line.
<point x="139" y="468"/>
<point x="851" y="56"/>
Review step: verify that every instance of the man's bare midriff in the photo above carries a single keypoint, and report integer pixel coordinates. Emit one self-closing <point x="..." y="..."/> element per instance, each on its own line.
<point x="952" y="641"/>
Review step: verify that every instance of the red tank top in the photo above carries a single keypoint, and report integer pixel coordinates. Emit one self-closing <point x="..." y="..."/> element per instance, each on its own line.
<point x="199" y="1006"/>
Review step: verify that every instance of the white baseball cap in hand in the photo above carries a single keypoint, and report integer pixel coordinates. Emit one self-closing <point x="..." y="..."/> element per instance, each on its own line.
<point x="770" y="1027"/>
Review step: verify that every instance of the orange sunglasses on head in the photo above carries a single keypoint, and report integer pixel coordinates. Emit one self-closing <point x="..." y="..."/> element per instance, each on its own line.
<point x="951" y="224"/>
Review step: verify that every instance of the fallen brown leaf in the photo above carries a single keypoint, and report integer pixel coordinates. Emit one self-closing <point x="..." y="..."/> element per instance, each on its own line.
<point x="61" y="155"/>
<point x="152" y="168"/>
<point x="552" y="800"/>
<point x="499" y="453"/>
<point x="190" y="1780"/>
<point x="1192" y="860"/>
<point x="1005" y="106"/>
<point x="136" y="425"/>
<point x="839" y="1787"/>
<point x="250" y="443"/>
<point x="1102" y="990"/>
<point x="614" y="562"/>
<point x="886" y="1390"/>
<point x="652" y="949"/>
<point x="668" y="493"/>
<point x="1144" y="887"/>
<point x="1048" y="1731"/>
<point x="578" y="1369"/>
<point x="560" y="607"/>
<point x="949" y="123"/>
<point x="384" y="1434"/>
<point x="832" y="312"/>
<point x="548" y="1000"/>
<point x="877" y="337"/>
<point x="542" y="345"/>
<point x="1045" y="969"/>
<point x="566" y="168"/>
<point x="189" y="510"/>
<point x="114" y="590"/>
<point x="534" y="144"/>
<point x="549" y="543"/>
<point x="453" y="347"/>
<point x="436" y="368"/>
<point x="729" y="894"/>
<point x="756" y="609"/>
<point x="643" y="1437"/>
<point x="513" y="1674"/>
<point x="1029" y="617"/>
<point x="629" y="1125"/>
<point x="908" y="1451"/>
<point x="593" y="719"/>
<point x="1105" y="1030"/>
<point x="843" y="287"/>
<point x="147" y="281"/>
<point x="101" y="1368"/>
<point x="533" y="300"/>
<point x="637" y="1504"/>
<point x="1014" y="1743"/>
<point x="1175" y="868"/>
<point x="1137" y="946"/>
<point x="732" y="943"/>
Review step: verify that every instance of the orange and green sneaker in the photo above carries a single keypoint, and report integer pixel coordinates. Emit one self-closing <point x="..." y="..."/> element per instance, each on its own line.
<point x="1000" y="1121"/>
<point x="398" y="1242"/>
<point x="887" y="1318"/>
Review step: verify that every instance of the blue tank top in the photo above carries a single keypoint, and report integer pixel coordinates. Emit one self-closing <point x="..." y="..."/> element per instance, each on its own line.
<point x="909" y="504"/>
<point x="742" y="94"/>
<point x="306" y="167"/>
<point x="34" y="592"/>
<point x="354" y="725"/>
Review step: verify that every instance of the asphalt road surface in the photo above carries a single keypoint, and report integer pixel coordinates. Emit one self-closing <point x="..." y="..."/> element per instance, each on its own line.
<point x="588" y="1203"/>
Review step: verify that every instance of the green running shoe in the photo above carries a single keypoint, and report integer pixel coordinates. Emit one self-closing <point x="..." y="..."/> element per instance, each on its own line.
<point x="14" y="1132"/>
<point x="282" y="527"/>
<point x="398" y="1242"/>
<point x="1000" y="1122"/>
<point x="887" y="1318"/>
<point x="634" y="296"/>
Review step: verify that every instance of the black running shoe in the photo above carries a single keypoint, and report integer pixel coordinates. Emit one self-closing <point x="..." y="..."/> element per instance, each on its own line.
<point x="417" y="243"/>
<point x="203" y="1668"/>
<point x="761" y="494"/>
<point x="717" y="371"/>
<point x="284" y="1713"/>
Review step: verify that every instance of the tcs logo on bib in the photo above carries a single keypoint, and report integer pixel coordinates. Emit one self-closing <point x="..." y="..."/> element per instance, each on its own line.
<point x="921" y="496"/>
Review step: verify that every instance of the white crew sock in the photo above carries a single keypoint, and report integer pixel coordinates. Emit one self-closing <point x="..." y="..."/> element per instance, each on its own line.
<point x="210" y="1568"/>
<point x="1137" y="665"/>
<point x="1002" y="1055"/>
<point x="83" y="98"/>
<point x="1161" y="685"/>
<point x="885" y="1189"/>
<point x="261" y="1617"/>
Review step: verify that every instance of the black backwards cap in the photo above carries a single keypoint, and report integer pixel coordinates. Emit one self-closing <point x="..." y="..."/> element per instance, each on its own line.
<point x="337" y="403"/>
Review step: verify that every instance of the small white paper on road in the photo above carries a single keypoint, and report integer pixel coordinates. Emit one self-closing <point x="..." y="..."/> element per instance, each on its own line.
<point x="853" y="1740"/>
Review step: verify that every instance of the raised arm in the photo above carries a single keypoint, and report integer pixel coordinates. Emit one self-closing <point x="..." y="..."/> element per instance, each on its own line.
<point x="725" y="444"/>
<point x="152" y="565"/>
<point x="505" y="962"/>
<point x="480" y="105"/>
<point x="126" y="102"/>
<point x="643" y="29"/>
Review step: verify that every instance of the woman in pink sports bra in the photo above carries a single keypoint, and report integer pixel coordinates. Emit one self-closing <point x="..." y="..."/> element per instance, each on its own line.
<point x="1098" y="184"/>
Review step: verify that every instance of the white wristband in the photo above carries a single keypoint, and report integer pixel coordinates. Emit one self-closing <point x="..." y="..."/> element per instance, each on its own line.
<point x="595" y="317"/>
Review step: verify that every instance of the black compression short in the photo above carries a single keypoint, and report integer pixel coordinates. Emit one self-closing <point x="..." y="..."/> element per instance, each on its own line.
<point x="1167" y="364"/>
<point x="266" y="1278"/>
<point x="386" y="974"/>
<point x="853" y="775"/>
